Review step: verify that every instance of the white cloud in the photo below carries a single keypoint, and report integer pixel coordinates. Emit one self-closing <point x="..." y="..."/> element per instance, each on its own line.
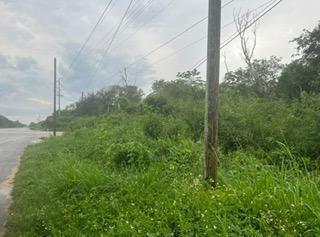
<point x="40" y="101"/>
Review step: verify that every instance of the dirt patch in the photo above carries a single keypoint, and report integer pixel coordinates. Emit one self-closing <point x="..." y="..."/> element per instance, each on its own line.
<point x="40" y="140"/>
<point x="7" y="185"/>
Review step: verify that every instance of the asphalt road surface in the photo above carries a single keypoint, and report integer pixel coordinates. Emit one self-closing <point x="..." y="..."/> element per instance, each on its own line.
<point x="12" y="144"/>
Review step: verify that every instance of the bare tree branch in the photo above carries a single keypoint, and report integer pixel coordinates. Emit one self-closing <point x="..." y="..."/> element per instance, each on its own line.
<point x="225" y="61"/>
<point x="124" y="77"/>
<point x="242" y="22"/>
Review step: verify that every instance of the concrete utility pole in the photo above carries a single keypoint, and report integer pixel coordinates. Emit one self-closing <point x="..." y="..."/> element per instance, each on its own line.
<point x="212" y="93"/>
<point x="55" y="98"/>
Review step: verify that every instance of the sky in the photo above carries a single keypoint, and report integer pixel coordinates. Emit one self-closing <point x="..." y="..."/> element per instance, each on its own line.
<point x="33" y="32"/>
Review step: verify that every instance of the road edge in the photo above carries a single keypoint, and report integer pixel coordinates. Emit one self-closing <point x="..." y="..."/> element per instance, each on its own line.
<point x="6" y="187"/>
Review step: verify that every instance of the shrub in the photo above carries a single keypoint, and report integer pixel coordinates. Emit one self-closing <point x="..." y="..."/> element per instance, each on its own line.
<point x="158" y="104"/>
<point x="130" y="154"/>
<point x="153" y="127"/>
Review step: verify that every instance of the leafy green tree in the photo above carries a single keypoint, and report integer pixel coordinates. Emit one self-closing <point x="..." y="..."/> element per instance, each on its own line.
<point x="109" y="100"/>
<point x="260" y="79"/>
<point x="188" y="85"/>
<point x="309" y="46"/>
<point x="297" y="78"/>
<point x="182" y="97"/>
<point x="87" y="106"/>
<point x="303" y="75"/>
<point x="158" y="104"/>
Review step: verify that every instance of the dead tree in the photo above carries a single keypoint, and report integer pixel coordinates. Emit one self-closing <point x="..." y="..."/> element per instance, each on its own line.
<point x="248" y="42"/>
<point x="124" y="77"/>
<point x="248" y="38"/>
<point x="225" y="62"/>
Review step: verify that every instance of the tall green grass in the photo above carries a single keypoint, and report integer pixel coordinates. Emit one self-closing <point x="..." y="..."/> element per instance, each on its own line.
<point x="113" y="179"/>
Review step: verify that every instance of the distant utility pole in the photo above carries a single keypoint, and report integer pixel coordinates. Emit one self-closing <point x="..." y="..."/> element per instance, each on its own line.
<point x="59" y="95"/>
<point x="55" y="98"/>
<point x="212" y="93"/>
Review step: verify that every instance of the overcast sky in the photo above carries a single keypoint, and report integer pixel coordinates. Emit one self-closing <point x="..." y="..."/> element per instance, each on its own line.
<point x="33" y="32"/>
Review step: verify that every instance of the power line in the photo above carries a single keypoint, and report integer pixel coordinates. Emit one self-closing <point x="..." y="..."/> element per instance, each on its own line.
<point x="237" y="34"/>
<point x="113" y="37"/>
<point x="135" y="12"/>
<point x="100" y="20"/>
<point x="181" y="49"/>
<point x="137" y="30"/>
<point x="146" y="23"/>
<point x="110" y="8"/>
<point x="63" y="93"/>
<point x="227" y="42"/>
<point x="105" y="39"/>
<point x="136" y="7"/>
<point x="205" y="37"/>
<point x="135" y="16"/>
<point x="125" y="26"/>
<point x="201" y="39"/>
<point x="268" y="3"/>
<point x="162" y="45"/>
<point x="176" y="36"/>
<point x="109" y="43"/>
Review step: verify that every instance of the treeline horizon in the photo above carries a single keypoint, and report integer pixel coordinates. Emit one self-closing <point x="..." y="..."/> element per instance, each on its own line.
<point x="261" y="78"/>
<point x="7" y="123"/>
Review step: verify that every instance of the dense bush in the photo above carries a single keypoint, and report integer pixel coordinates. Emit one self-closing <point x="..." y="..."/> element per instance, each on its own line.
<point x="159" y="104"/>
<point x="153" y="126"/>
<point x="261" y="124"/>
<point x="130" y="154"/>
<point x="156" y="126"/>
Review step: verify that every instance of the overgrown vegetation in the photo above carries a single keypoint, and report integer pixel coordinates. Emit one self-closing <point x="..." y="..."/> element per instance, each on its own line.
<point x="116" y="180"/>
<point x="131" y="166"/>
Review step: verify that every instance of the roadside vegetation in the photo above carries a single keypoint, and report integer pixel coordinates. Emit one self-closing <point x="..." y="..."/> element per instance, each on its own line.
<point x="130" y="165"/>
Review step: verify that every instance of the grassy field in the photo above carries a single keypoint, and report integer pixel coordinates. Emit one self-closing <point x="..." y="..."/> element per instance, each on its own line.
<point x="114" y="178"/>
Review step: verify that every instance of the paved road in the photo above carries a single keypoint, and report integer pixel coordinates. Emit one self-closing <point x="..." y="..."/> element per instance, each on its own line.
<point x="12" y="144"/>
